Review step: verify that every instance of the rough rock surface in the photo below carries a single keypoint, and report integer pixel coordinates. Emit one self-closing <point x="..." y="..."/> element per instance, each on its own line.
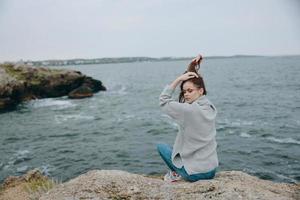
<point x="15" y="187"/>
<point x="113" y="184"/>
<point x="81" y="92"/>
<point x="21" y="82"/>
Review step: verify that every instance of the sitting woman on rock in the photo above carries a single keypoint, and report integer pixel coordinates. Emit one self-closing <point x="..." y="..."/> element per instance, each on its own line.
<point x="194" y="156"/>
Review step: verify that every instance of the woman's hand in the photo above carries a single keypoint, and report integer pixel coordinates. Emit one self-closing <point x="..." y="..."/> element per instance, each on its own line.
<point x="183" y="77"/>
<point x="187" y="76"/>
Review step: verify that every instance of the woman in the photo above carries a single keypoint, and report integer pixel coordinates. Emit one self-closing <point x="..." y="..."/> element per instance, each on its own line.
<point x="194" y="156"/>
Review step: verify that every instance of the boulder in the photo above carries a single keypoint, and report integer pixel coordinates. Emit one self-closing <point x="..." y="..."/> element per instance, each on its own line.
<point x="81" y="92"/>
<point x="95" y="85"/>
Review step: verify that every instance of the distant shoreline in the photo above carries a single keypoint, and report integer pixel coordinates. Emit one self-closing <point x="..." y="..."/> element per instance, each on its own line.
<point x="109" y="60"/>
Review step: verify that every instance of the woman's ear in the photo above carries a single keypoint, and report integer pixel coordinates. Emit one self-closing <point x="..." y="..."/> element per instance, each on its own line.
<point x="201" y="90"/>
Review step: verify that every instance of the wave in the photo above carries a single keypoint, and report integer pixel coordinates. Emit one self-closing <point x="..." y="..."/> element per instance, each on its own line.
<point x="283" y="140"/>
<point x="237" y="123"/>
<point x="18" y="157"/>
<point x="126" y="117"/>
<point x="245" y="135"/>
<point x="117" y="89"/>
<point x="45" y="169"/>
<point x="63" y="135"/>
<point x="170" y="121"/>
<point x="63" y="118"/>
<point x="241" y="123"/>
<point x="13" y="139"/>
<point x="286" y="178"/>
<point x="22" y="169"/>
<point x="57" y="104"/>
<point x="21" y="154"/>
<point x="268" y="174"/>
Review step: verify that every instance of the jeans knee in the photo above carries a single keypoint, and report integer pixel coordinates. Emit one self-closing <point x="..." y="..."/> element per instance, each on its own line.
<point x="161" y="146"/>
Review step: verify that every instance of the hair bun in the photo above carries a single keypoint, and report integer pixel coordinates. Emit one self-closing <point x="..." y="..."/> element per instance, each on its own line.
<point x="194" y="66"/>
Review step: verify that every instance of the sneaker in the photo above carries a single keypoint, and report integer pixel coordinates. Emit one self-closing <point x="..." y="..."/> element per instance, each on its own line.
<point x="172" y="176"/>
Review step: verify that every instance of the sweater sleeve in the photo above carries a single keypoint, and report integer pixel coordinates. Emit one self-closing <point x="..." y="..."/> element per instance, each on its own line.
<point x="171" y="107"/>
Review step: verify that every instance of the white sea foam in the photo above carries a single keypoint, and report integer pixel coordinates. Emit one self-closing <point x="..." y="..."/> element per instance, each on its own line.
<point x="248" y="123"/>
<point x="117" y="89"/>
<point x="18" y="157"/>
<point x="286" y="178"/>
<point x="122" y="90"/>
<point x="22" y="152"/>
<point x="45" y="169"/>
<point x="170" y="121"/>
<point x="237" y="123"/>
<point x="129" y="116"/>
<point x="283" y="140"/>
<point x="175" y="125"/>
<point x="5" y="167"/>
<point x="63" y="118"/>
<point x="126" y="117"/>
<point x="245" y="135"/>
<point x="241" y="123"/>
<point x="22" y="169"/>
<point x="57" y="104"/>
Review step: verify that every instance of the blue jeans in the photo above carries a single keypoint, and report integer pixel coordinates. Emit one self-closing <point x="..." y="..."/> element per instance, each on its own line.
<point x="165" y="151"/>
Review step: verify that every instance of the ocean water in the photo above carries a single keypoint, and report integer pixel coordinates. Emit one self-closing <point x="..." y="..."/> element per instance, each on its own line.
<point x="258" y="123"/>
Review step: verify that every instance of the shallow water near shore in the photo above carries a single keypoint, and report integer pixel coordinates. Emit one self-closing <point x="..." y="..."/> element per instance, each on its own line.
<point x="258" y="102"/>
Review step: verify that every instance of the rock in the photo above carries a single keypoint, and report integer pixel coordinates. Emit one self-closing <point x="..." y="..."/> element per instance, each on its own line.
<point x="21" y="82"/>
<point x="81" y="92"/>
<point x="12" y="181"/>
<point x="6" y="102"/>
<point x="95" y="85"/>
<point x="113" y="184"/>
<point x="27" y="187"/>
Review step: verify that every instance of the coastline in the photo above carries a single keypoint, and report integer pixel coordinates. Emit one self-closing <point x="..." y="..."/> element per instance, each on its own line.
<point x="111" y="60"/>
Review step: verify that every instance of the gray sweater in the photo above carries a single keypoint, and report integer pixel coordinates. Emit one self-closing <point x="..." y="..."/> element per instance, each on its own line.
<point x="195" y="144"/>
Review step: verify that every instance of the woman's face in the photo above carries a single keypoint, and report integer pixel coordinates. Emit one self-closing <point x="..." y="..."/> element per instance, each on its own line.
<point x="191" y="92"/>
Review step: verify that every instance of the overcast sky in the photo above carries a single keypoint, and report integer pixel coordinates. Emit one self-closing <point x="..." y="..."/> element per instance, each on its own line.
<point x="65" y="29"/>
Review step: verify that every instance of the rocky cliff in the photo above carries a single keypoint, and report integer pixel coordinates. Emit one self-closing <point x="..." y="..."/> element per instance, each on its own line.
<point x="21" y="82"/>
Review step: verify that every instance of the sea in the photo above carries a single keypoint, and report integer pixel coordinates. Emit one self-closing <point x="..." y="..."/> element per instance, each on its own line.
<point x="258" y="121"/>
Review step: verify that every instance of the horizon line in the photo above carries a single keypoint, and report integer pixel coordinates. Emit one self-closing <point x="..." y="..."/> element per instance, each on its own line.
<point x="170" y="57"/>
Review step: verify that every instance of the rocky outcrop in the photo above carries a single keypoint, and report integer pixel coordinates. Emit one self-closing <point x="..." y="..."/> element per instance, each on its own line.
<point x="21" y="82"/>
<point x="27" y="187"/>
<point x="112" y="184"/>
